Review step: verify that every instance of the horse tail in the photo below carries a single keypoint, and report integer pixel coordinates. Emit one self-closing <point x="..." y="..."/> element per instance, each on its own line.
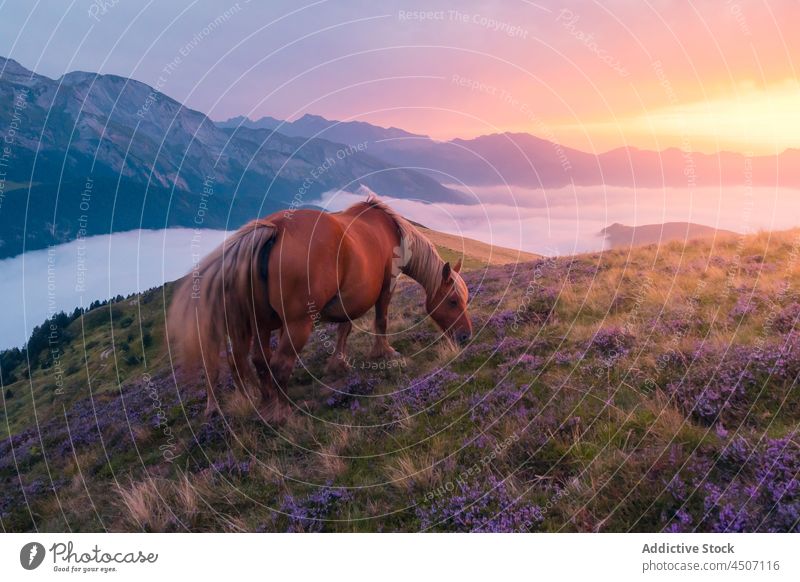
<point x="220" y="296"/>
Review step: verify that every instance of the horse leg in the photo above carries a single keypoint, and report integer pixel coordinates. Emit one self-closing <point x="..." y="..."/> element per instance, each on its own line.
<point x="293" y="338"/>
<point x="381" y="349"/>
<point x="262" y="351"/>
<point x="337" y="363"/>
<point x="241" y="372"/>
<point x="212" y="375"/>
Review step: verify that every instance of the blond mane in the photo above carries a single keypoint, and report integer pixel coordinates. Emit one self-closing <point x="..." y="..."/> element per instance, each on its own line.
<point x="418" y="256"/>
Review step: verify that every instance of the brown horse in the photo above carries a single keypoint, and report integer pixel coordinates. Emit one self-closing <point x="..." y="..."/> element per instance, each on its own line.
<point x="295" y="268"/>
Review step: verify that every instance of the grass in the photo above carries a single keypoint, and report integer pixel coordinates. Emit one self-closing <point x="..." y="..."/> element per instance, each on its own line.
<point x="643" y="389"/>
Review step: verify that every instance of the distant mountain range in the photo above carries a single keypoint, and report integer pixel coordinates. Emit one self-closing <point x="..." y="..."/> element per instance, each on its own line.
<point x="105" y="153"/>
<point x="621" y="236"/>
<point x="91" y="154"/>
<point x="346" y="132"/>
<point x="521" y="159"/>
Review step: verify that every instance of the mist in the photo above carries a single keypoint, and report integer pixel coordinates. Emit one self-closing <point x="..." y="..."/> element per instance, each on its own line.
<point x="554" y="222"/>
<point x="568" y="220"/>
<point x="41" y="283"/>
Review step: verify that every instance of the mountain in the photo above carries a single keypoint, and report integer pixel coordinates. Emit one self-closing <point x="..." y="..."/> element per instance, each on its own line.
<point x="603" y="392"/>
<point x="620" y="236"/>
<point x="103" y="153"/>
<point x="265" y="122"/>
<point x="522" y="159"/>
<point x="346" y="132"/>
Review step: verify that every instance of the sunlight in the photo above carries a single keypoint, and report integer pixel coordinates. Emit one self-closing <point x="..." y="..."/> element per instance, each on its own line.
<point x="754" y="120"/>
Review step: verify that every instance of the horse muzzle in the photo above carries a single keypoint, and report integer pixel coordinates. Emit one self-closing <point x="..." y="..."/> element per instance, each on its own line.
<point x="462" y="336"/>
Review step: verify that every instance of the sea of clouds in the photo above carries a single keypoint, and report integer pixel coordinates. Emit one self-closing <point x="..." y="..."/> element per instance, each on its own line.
<point x="569" y="220"/>
<point x="40" y="283"/>
<point x="553" y="222"/>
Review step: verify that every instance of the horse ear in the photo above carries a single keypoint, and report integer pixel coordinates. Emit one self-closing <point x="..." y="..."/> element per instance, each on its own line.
<point x="446" y="272"/>
<point x="457" y="268"/>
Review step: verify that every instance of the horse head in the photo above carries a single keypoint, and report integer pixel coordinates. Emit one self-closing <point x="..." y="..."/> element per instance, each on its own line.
<point x="447" y="306"/>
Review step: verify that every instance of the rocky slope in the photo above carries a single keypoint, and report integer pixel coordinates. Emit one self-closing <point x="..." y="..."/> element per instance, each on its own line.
<point x="103" y="153"/>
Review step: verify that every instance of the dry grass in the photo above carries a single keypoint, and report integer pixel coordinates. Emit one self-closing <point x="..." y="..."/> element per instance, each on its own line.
<point x="329" y="463"/>
<point x="409" y="471"/>
<point x="479" y="254"/>
<point x="614" y="459"/>
<point x="187" y="496"/>
<point x="445" y="352"/>
<point x="669" y="421"/>
<point x="144" y="506"/>
<point x="240" y="405"/>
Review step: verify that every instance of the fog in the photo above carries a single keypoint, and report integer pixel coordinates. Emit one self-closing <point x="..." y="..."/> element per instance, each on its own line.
<point x="40" y="283"/>
<point x="567" y="220"/>
<point x="554" y="222"/>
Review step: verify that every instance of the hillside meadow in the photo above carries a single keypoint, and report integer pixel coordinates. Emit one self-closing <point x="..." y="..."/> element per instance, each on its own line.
<point x="645" y="389"/>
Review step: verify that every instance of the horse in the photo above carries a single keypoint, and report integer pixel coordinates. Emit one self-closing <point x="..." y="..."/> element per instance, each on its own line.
<point x="293" y="269"/>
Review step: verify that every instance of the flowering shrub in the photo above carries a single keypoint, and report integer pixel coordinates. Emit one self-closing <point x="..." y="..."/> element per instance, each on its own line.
<point x="527" y="363"/>
<point x="503" y="399"/>
<point x="484" y="505"/>
<point x="611" y="344"/>
<point x="509" y="345"/>
<point x="535" y="306"/>
<point x="355" y="385"/>
<point x="744" y="306"/>
<point x="104" y="423"/>
<point x="721" y="383"/>
<point x="229" y="466"/>
<point x="422" y="336"/>
<point x="308" y="514"/>
<point x="422" y="392"/>
<point x="502" y="320"/>
<point x="762" y="493"/>
<point x="723" y="386"/>
<point x="751" y="488"/>
<point x="788" y="318"/>
<point x="567" y="358"/>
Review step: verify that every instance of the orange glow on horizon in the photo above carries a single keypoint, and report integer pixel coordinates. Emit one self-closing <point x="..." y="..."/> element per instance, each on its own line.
<point x="756" y="121"/>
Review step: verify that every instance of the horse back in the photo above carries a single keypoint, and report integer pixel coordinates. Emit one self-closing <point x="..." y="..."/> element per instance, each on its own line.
<point x="334" y="264"/>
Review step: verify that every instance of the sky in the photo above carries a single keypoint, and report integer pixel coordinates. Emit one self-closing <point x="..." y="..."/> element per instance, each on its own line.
<point x="698" y="75"/>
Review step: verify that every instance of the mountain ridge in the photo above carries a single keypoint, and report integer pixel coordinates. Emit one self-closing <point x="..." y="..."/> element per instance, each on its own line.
<point x="524" y="159"/>
<point x="151" y="157"/>
<point x="311" y="125"/>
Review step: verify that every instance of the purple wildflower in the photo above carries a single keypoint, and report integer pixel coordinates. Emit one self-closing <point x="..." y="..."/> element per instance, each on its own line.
<point x="485" y="505"/>
<point x="308" y="514"/>
<point x="423" y="392"/>
<point x="347" y="396"/>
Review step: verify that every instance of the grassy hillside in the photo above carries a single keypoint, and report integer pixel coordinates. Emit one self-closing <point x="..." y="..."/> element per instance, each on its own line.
<point x="647" y="389"/>
<point x="477" y="254"/>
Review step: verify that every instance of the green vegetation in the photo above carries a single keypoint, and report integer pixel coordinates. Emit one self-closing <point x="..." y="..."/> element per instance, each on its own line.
<point x="646" y="389"/>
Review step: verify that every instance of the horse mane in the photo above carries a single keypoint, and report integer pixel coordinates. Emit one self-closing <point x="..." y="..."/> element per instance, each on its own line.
<point x="418" y="256"/>
<point x="218" y="298"/>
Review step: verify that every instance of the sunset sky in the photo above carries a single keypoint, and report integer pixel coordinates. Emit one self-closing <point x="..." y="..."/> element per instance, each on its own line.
<point x="703" y="75"/>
